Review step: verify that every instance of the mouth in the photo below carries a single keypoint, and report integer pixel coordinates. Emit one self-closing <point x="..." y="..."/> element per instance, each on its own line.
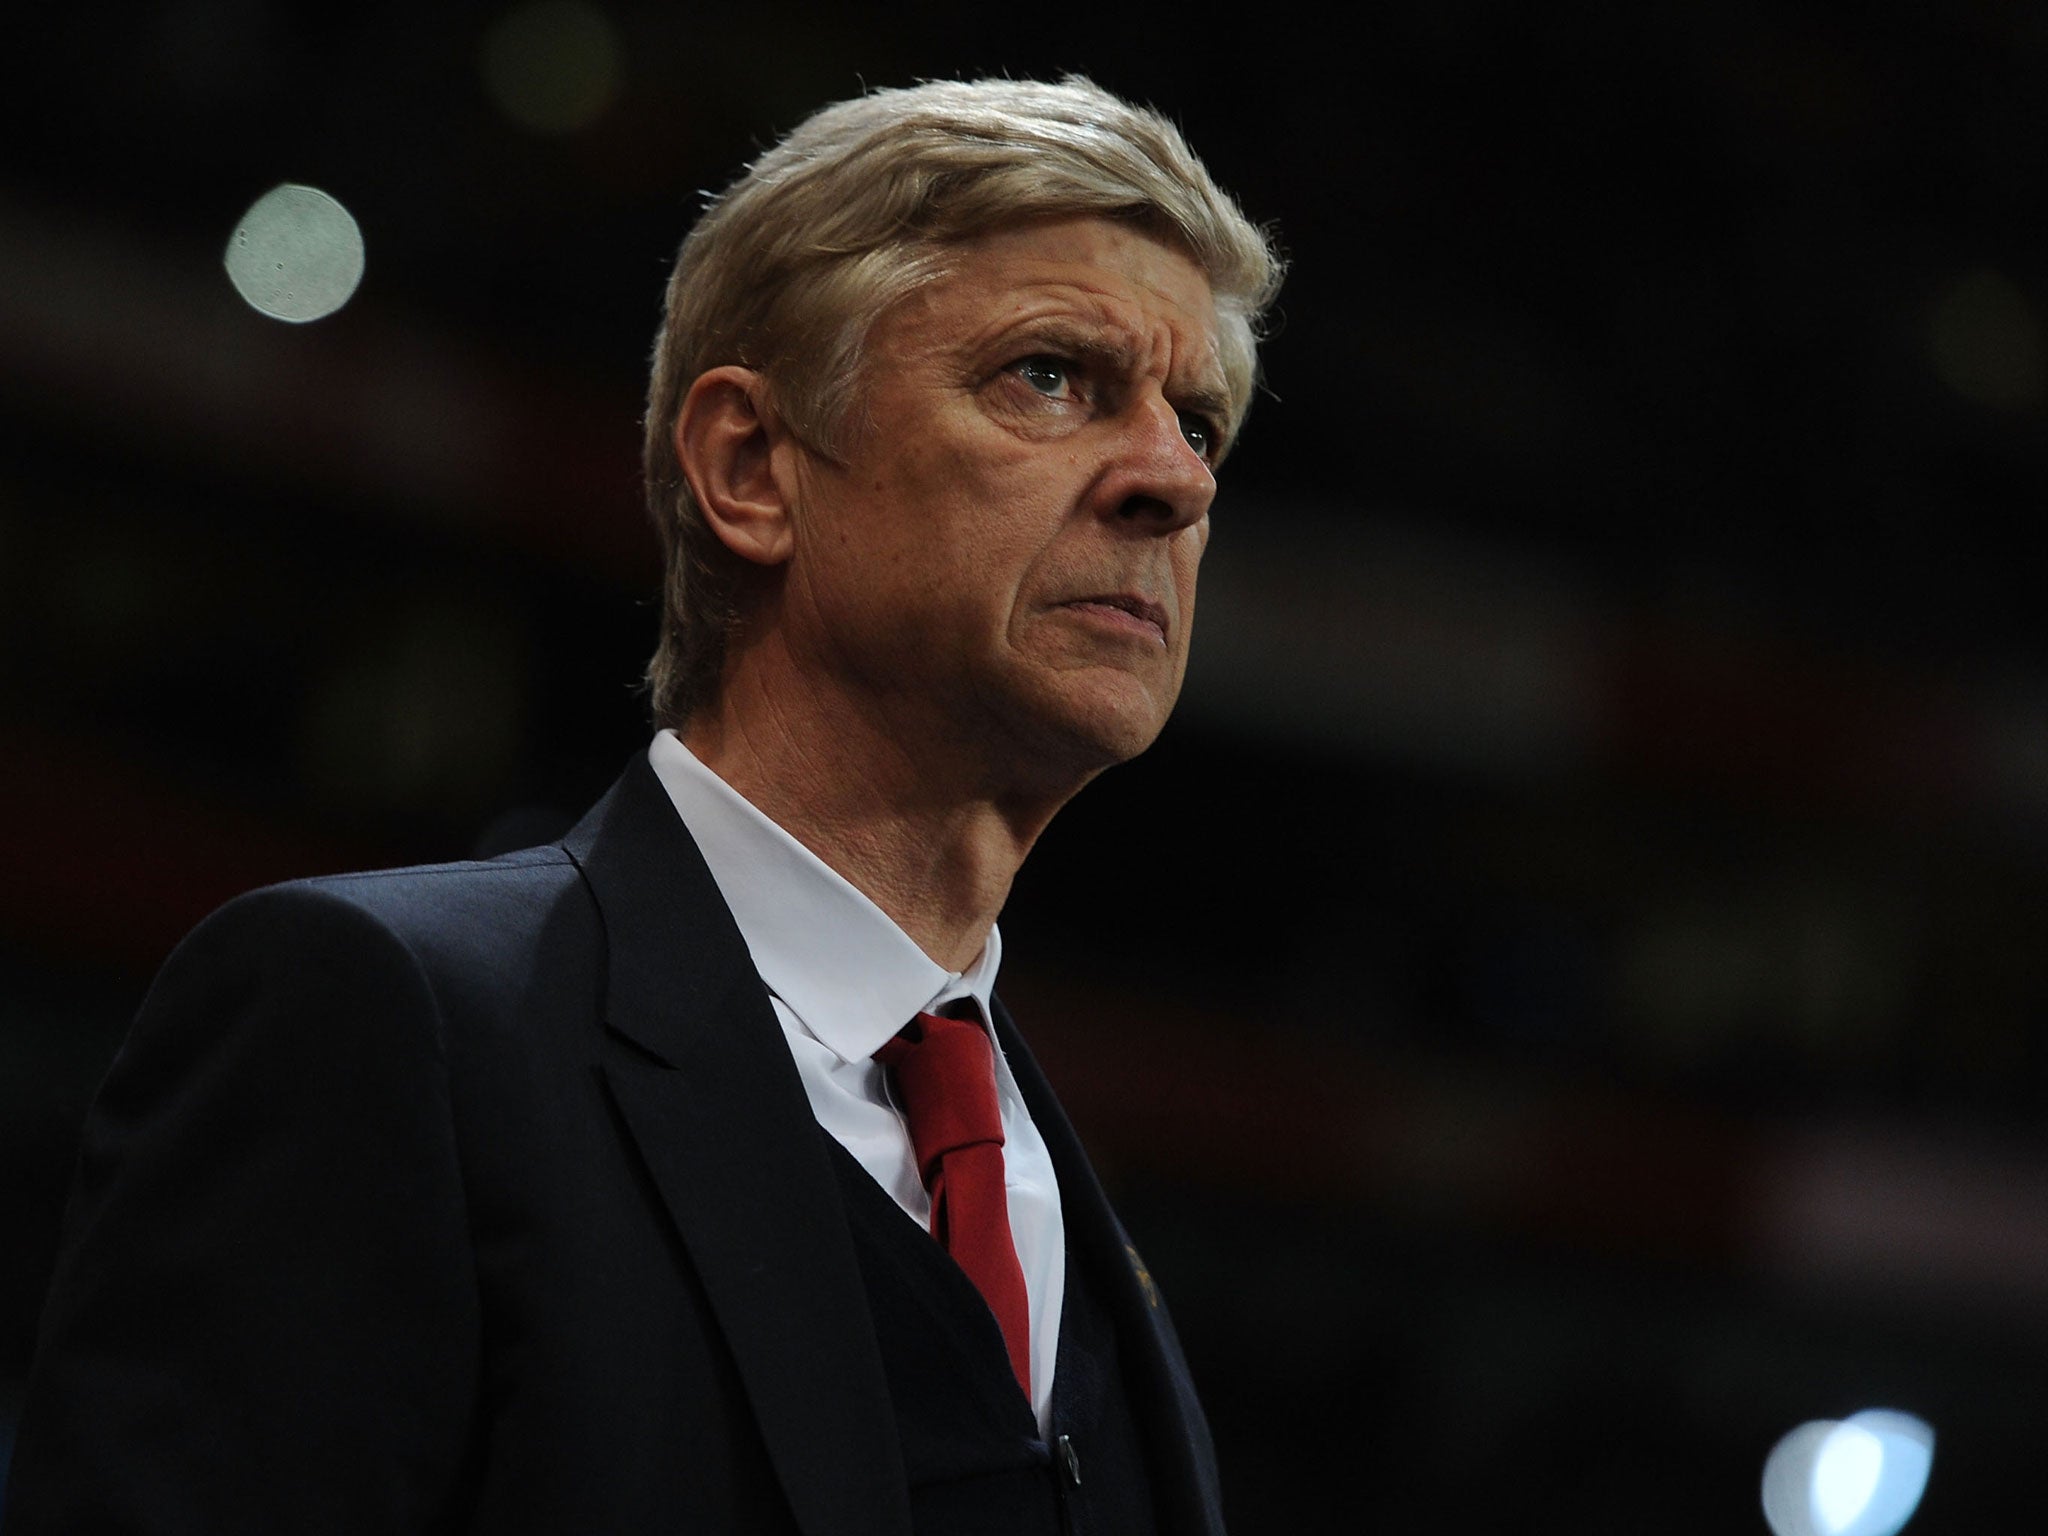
<point x="1124" y="611"/>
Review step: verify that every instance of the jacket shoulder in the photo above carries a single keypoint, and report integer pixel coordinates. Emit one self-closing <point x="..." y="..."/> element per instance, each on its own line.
<point x="449" y="922"/>
<point x="420" y="898"/>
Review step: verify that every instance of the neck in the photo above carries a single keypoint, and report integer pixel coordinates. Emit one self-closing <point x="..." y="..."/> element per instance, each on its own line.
<point x="930" y="835"/>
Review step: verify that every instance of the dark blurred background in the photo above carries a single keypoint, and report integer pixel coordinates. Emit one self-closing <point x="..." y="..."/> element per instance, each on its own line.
<point x="1565" y="1001"/>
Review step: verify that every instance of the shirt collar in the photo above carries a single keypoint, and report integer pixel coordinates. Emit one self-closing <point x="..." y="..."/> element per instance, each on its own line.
<point x="837" y="961"/>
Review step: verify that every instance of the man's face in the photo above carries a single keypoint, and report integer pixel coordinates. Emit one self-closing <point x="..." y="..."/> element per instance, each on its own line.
<point x="1004" y="561"/>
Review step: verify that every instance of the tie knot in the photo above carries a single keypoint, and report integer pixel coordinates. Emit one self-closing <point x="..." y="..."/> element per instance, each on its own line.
<point x="945" y="1076"/>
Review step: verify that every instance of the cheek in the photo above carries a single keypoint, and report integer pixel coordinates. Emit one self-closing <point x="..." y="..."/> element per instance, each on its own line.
<point x="1187" y="558"/>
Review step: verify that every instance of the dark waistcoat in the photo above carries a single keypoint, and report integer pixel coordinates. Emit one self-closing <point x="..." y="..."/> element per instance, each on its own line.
<point x="975" y="1461"/>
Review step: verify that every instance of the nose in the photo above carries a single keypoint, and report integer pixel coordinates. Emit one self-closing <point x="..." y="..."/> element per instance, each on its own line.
<point x="1157" y="483"/>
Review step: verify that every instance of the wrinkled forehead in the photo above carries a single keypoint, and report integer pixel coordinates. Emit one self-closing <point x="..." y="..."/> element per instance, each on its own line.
<point x="1142" y="292"/>
<point x="1234" y="337"/>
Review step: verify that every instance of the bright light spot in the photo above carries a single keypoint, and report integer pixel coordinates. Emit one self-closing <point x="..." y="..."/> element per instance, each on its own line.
<point x="297" y="254"/>
<point x="1908" y="1456"/>
<point x="1844" y="1477"/>
<point x="553" y="65"/>
<point x="1861" y="1477"/>
<point x="1984" y="339"/>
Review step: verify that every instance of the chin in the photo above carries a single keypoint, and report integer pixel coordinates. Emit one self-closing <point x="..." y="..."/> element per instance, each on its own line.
<point x="1082" y="732"/>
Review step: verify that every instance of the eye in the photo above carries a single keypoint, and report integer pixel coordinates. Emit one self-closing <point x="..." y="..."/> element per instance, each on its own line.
<point x="1049" y="376"/>
<point x="1200" y="432"/>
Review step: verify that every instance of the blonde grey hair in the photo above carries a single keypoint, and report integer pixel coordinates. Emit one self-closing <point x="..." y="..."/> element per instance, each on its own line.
<point x="787" y="271"/>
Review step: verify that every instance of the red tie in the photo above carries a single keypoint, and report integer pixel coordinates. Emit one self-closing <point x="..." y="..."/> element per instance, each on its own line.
<point x="945" y="1076"/>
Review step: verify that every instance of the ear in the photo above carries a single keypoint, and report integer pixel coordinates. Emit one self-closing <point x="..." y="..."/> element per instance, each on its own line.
<point x="726" y="436"/>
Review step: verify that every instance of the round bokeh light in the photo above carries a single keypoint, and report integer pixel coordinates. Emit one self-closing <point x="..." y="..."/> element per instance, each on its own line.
<point x="297" y="255"/>
<point x="1863" y="1476"/>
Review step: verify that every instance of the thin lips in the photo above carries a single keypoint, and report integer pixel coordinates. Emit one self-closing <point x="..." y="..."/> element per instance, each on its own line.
<point x="1131" y="603"/>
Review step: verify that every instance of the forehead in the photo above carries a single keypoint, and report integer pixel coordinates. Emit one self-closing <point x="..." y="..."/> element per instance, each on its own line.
<point x="1099" y="273"/>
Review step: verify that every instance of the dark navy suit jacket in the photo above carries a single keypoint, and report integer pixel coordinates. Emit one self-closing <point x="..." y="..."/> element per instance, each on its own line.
<point x="486" y="1197"/>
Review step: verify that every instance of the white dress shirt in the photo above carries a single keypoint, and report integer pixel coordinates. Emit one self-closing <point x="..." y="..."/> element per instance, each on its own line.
<point x="843" y="978"/>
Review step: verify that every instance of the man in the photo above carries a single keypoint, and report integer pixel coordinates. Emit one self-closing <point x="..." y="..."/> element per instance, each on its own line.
<point x="567" y="1191"/>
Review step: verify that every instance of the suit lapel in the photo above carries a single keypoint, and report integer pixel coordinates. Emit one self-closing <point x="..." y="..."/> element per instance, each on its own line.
<point x="1176" y="1434"/>
<point x="713" y="1102"/>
